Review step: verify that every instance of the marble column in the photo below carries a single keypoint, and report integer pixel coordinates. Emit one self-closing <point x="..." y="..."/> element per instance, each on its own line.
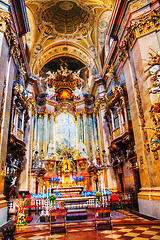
<point x="40" y="132"/>
<point x="35" y="134"/>
<point x="120" y="117"/>
<point x="85" y="125"/>
<point x="95" y="130"/>
<point x="51" y="128"/>
<point x="90" y="134"/>
<point x="79" y="128"/>
<point x="126" y="119"/>
<point x="15" y="122"/>
<point x="112" y="119"/>
<point x="25" y="174"/>
<point x="45" y="133"/>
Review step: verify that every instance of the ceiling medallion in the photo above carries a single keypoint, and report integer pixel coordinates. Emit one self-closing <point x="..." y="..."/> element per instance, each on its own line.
<point x="66" y="5"/>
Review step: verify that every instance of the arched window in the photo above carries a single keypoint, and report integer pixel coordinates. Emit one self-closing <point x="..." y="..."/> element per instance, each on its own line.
<point x="116" y="119"/>
<point x="128" y="110"/>
<point x="20" y="119"/>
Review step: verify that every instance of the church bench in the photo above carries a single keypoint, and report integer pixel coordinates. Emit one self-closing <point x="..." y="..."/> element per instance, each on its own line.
<point x="103" y="218"/>
<point x="58" y="220"/>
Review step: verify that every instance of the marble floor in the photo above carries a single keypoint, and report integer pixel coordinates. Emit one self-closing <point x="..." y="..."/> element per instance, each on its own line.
<point x="129" y="228"/>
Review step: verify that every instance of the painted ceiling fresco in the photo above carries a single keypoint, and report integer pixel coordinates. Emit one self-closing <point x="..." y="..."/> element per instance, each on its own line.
<point x="68" y="28"/>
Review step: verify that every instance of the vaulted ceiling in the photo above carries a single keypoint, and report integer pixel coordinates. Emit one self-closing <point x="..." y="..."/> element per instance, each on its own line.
<point x="75" y="29"/>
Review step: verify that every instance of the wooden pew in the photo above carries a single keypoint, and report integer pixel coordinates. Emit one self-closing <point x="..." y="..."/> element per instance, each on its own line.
<point x="103" y="218"/>
<point x="58" y="220"/>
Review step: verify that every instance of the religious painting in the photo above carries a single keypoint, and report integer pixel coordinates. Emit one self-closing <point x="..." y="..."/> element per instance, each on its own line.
<point x="65" y="132"/>
<point x="65" y="94"/>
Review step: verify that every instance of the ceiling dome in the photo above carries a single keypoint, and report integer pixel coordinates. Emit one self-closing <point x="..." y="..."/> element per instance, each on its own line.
<point x="66" y="16"/>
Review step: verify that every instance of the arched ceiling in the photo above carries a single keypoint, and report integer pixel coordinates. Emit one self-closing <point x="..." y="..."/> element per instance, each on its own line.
<point x="67" y="28"/>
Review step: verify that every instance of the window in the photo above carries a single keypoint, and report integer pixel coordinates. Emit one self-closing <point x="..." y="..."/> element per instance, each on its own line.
<point x="20" y="118"/>
<point x="116" y="119"/>
<point x="128" y="110"/>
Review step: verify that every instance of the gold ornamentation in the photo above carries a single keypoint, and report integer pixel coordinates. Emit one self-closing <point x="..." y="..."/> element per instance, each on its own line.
<point x="146" y="24"/>
<point x="116" y="132"/>
<point x="154" y="72"/>
<point x="155" y="114"/>
<point x="123" y="51"/>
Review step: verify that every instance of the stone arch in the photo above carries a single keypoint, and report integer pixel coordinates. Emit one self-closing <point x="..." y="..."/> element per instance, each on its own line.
<point x="62" y="49"/>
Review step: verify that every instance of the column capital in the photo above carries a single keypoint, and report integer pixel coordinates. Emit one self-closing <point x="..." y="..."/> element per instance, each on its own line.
<point x="40" y="114"/>
<point x="52" y="114"/>
<point x="84" y="113"/>
<point x="45" y="114"/>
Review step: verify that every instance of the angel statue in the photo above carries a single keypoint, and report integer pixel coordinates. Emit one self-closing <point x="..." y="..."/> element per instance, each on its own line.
<point x="78" y="92"/>
<point x="51" y="92"/>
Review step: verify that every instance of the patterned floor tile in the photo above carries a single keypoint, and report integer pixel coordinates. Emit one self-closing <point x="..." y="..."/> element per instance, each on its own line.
<point x="142" y="228"/>
<point x="158" y="227"/>
<point x="108" y="231"/>
<point x="150" y="232"/>
<point x="131" y="234"/>
<point x="124" y="230"/>
<point x="139" y="238"/>
<point x="113" y="236"/>
<point x="155" y="237"/>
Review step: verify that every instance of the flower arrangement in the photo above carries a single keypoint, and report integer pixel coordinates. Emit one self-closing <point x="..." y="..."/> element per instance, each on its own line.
<point x="98" y="195"/>
<point x="52" y="197"/>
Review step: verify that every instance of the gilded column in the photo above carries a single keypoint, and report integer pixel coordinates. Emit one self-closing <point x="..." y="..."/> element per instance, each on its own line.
<point x="45" y="128"/>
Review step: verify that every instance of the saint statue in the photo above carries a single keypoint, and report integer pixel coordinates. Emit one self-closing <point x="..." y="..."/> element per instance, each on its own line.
<point x="50" y="153"/>
<point x="82" y="150"/>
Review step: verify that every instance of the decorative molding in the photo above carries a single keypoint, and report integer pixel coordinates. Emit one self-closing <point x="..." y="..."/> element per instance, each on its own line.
<point x="6" y="27"/>
<point x="141" y="115"/>
<point x="147" y="23"/>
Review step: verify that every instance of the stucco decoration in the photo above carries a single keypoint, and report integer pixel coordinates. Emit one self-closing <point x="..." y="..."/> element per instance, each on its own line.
<point x="67" y="22"/>
<point x="102" y="28"/>
<point x="72" y="51"/>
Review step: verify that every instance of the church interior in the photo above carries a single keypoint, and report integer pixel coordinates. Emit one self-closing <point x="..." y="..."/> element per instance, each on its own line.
<point x="80" y="119"/>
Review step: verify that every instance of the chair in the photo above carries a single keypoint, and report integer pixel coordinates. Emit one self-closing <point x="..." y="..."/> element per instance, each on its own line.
<point x="103" y="218"/>
<point x="58" y="220"/>
<point x="116" y="203"/>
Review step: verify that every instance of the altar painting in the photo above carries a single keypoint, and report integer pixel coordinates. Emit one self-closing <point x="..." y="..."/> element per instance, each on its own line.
<point x="65" y="132"/>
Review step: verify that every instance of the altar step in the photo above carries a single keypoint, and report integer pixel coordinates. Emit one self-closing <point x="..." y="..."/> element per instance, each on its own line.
<point x="78" y="214"/>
